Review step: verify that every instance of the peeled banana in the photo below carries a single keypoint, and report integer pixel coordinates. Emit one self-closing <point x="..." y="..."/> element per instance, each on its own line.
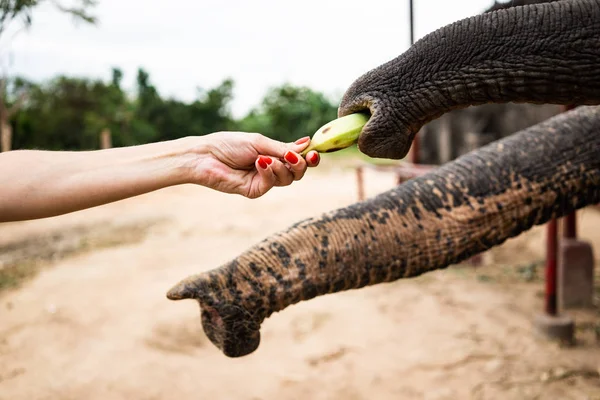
<point x="338" y="134"/>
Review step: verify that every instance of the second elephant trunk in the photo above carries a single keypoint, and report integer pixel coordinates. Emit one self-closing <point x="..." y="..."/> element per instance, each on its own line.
<point x="460" y="209"/>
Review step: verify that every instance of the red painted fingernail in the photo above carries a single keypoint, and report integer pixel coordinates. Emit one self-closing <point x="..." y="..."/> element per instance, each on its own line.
<point x="314" y="157"/>
<point x="268" y="160"/>
<point x="302" y="140"/>
<point x="262" y="163"/>
<point x="291" y="157"/>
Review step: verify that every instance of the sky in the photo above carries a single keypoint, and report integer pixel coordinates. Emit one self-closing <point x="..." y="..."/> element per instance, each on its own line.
<point x="189" y="44"/>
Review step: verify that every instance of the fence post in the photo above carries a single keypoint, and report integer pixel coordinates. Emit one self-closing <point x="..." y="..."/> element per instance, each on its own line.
<point x="5" y="137"/>
<point x="105" y="139"/>
<point x="360" y="182"/>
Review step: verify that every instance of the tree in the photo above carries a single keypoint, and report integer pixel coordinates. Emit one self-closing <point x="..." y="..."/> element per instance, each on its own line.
<point x="211" y="109"/>
<point x="64" y="114"/>
<point x="289" y="112"/>
<point x="172" y="119"/>
<point x="68" y="113"/>
<point x="9" y="105"/>
<point x="11" y="10"/>
<point x="110" y="112"/>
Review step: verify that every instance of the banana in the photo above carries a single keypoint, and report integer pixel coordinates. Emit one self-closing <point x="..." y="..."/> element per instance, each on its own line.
<point x="337" y="134"/>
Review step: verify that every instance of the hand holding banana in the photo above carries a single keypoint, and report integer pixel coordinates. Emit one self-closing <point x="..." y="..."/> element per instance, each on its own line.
<point x="338" y="134"/>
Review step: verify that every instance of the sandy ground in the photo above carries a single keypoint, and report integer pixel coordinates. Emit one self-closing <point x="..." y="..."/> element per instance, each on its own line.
<point x="95" y="324"/>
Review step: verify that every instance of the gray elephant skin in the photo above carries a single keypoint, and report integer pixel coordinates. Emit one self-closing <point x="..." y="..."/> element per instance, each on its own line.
<point x="538" y="54"/>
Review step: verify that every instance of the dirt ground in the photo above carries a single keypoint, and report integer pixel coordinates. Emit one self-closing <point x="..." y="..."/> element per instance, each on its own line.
<point x="94" y="322"/>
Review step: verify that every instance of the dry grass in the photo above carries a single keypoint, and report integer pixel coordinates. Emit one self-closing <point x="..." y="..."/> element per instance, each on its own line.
<point x="21" y="260"/>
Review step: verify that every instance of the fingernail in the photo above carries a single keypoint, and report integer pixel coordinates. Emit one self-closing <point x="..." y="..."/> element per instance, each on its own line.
<point x="313" y="158"/>
<point x="291" y="157"/>
<point x="262" y="163"/>
<point x="302" y="140"/>
<point x="269" y="160"/>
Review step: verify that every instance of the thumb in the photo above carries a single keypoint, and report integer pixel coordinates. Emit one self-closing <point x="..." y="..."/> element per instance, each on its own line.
<point x="275" y="148"/>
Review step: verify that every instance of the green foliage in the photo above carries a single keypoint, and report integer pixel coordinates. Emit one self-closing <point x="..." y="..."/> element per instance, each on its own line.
<point x="174" y="119"/>
<point x="288" y="113"/>
<point x="11" y="10"/>
<point x="61" y="114"/>
<point x="69" y="113"/>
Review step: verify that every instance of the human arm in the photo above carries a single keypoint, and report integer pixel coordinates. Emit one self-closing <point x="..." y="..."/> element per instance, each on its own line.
<point x="40" y="184"/>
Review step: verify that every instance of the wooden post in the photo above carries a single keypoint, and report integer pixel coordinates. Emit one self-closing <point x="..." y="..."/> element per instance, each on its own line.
<point x="105" y="139"/>
<point x="360" y="182"/>
<point x="5" y="115"/>
<point x="5" y="137"/>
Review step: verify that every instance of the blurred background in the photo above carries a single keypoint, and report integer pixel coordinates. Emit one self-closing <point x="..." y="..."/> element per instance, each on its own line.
<point x="83" y="313"/>
<point x="155" y="70"/>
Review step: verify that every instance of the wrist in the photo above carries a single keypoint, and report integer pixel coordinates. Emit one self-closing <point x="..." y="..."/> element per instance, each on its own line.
<point x="193" y="159"/>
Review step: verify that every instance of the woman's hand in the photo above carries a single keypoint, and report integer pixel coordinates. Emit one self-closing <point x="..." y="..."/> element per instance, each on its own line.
<point x="249" y="164"/>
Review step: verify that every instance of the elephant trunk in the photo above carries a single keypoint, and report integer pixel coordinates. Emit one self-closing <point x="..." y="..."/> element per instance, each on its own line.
<point x="541" y="53"/>
<point x="463" y="208"/>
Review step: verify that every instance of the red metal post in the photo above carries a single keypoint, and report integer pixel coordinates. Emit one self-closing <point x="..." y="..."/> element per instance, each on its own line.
<point x="551" y="273"/>
<point x="570" y="226"/>
<point x="569" y="231"/>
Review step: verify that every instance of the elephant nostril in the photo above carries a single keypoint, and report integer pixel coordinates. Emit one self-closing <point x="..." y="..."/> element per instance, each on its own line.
<point x="367" y="110"/>
<point x="213" y="325"/>
<point x="213" y="317"/>
<point x="366" y="107"/>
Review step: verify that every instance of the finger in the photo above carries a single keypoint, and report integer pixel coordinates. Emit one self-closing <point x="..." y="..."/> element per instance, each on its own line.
<point x="300" y="144"/>
<point x="313" y="158"/>
<point x="297" y="164"/>
<point x="274" y="148"/>
<point x="266" y="177"/>
<point x="283" y="176"/>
